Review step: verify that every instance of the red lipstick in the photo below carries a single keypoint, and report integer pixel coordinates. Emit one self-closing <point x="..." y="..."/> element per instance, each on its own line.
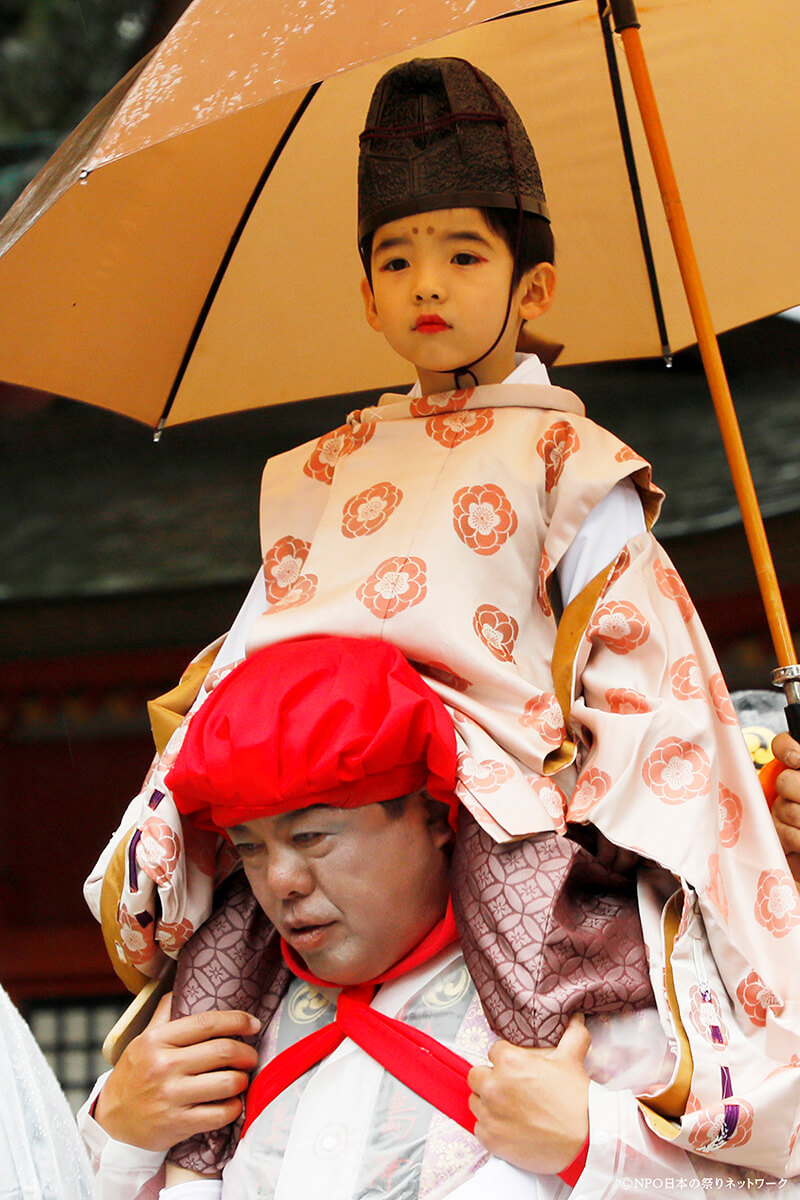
<point x="430" y="323"/>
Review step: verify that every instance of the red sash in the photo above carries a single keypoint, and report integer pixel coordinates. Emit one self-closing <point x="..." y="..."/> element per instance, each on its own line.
<point x="424" y="1065"/>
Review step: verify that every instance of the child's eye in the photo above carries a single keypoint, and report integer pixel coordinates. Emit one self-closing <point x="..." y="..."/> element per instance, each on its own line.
<point x="465" y="259"/>
<point x="395" y="264"/>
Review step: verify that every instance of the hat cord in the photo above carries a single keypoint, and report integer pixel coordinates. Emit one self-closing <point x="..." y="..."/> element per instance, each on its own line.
<point x="503" y="121"/>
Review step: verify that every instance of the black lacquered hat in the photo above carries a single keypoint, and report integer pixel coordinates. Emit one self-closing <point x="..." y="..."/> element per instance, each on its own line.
<point x="441" y="134"/>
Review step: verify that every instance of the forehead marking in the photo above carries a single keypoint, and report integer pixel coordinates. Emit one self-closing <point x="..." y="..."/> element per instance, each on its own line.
<point x="430" y="230"/>
<point x="414" y="229"/>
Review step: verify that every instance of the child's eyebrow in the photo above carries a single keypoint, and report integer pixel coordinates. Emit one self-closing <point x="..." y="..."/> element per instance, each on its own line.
<point x="467" y="235"/>
<point x="390" y="243"/>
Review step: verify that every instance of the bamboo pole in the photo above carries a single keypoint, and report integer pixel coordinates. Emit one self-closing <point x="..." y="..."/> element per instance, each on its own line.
<point x="626" y="24"/>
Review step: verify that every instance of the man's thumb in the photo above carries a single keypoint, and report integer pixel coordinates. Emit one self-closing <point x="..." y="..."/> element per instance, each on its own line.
<point x="575" y="1040"/>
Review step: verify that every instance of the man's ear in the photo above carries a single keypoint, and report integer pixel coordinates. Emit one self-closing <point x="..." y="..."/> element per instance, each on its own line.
<point x="371" y="312"/>
<point x="536" y="290"/>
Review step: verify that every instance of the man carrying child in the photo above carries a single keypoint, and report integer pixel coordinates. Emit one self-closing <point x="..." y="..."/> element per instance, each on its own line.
<point x="456" y="523"/>
<point x="331" y="766"/>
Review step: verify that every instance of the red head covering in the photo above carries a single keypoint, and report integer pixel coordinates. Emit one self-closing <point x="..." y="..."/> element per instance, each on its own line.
<point x="325" y="720"/>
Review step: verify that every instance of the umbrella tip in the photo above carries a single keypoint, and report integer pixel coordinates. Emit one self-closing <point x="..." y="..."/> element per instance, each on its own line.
<point x="159" y="429"/>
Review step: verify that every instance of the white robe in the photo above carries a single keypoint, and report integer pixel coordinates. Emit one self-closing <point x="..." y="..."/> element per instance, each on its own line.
<point x="339" y="1131"/>
<point x="41" y="1157"/>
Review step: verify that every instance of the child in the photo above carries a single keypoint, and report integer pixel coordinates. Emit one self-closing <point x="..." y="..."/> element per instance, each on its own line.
<point x="448" y="522"/>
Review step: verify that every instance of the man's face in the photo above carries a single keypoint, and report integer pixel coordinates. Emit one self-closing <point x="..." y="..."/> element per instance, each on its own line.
<point x="440" y="287"/>
<point x="351" y="890"/>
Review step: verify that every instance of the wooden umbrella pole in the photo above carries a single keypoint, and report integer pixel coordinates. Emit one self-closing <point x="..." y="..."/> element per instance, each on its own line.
<point x="626" y="24"/>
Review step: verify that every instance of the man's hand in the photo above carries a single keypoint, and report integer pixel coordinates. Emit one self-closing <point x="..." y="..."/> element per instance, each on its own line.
<point x="532" y="1106"/>
<point x="178" y="1078"/>
<point x="786" y="809"/>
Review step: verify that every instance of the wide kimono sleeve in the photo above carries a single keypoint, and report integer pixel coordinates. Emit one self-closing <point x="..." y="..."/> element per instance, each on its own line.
<point x="664" y="771"/>
<point x="626" y="1159"/>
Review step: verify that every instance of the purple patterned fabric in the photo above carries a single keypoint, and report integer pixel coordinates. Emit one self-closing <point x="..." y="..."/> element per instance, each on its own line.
<point x="232" y="961"/>
<point x="547" y="931"/>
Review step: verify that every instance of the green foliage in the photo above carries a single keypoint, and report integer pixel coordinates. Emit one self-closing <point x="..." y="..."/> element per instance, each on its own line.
<point x="57" y="58"/>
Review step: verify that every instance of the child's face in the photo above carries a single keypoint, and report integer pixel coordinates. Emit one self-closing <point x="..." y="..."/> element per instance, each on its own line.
<point x="440" y="286"/>
<point x="351" y="890"/>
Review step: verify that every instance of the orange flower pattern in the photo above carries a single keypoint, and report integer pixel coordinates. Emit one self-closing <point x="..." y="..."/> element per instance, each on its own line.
<point x="730" y="816"/>
<point x="706" y="1015"/>
<point x="672" y="586"/>
<point x="484" y="776"/>
<point x="554" y="448"/>
<point x="304" y="590"/>
<point x="777" y="902"/>
<point x="136" y="937"/>
<point x="542" y="594"/>
<point x="452" y="428"/>
<point x="626" y="700"/>
<point x="618" y="625"/>
<point x="677" y="771"/>
<point x="552" y="799"/>
<point x="687" y="679"/>
<point x="726" y="1123"/>
<point x="592" y="785"/>
<point x="172" y="937"/>
<point x="321" y="463"/>
<point x="723" y="705"/>
<point x="756" y="998"/>
<point x="396" y="584"/>
<point x="214" y="678"/>
<point x="627" y="455"/>
<point x="426" y="406"/>
<point x="619" y="568"/>
<point x="543" y="713"/>
<point x="173" y="746"/>
<point x="715" y="892"/>
<point x="793" y="1138"/>
<point x="370" y="510"/>
<point x="497" y="630"/>
<point x="283" y="564"/>
<point x="158" y="850"/>
<point x="483" y="517"/>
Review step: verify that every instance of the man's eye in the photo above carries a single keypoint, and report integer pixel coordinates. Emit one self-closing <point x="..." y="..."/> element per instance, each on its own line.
<point x="395" y="264"/>
<point x="308" y="837"/>
<point x="465" y="259"/>
<point x="246" y="849"/>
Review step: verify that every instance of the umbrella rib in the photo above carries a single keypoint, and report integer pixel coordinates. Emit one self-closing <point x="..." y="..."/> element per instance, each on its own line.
<point x="633" y="179"/>
<point x="228" y="255"/>
<point x="519" y="12"/>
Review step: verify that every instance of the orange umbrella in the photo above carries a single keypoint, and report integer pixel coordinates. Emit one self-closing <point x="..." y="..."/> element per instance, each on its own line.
<point x="157" y="267"/>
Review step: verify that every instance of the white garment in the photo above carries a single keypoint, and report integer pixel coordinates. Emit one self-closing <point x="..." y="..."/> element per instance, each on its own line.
<point x="334" y="1112"/>
<point x="41" y="1156"/>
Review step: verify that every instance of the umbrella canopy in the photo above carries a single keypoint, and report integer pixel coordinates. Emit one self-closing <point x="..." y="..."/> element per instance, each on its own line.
<point x="155" y="258"/>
